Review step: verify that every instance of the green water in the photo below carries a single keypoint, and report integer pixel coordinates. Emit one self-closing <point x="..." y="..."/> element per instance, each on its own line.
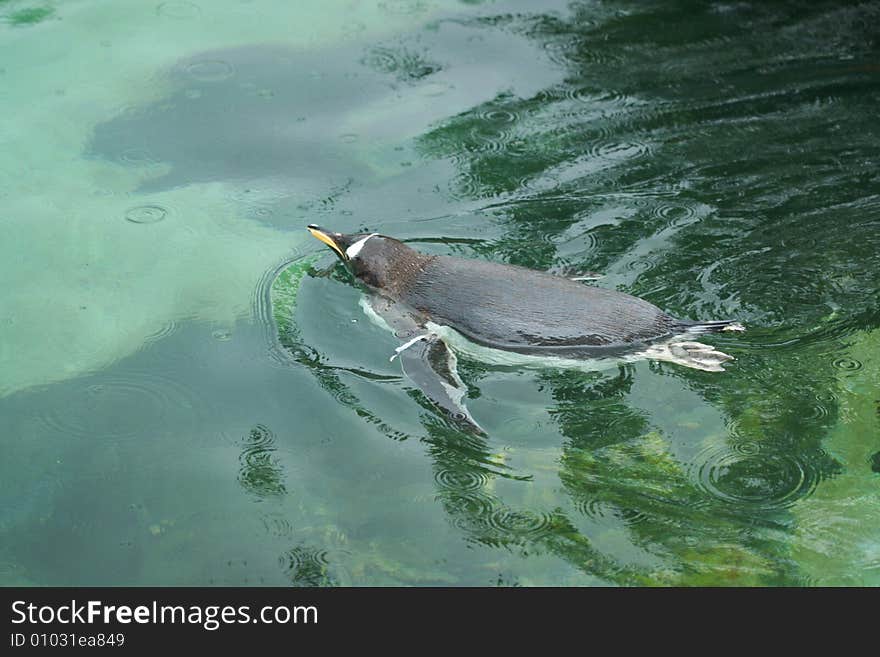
<point x="191" y="394"/>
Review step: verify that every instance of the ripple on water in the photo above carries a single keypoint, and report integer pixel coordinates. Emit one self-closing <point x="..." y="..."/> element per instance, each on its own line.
<point x="817" y="411"/>
<point x="489" y="140"/>
<point x="404" y="64"/>
<point x="847" y="364"/>
<point x="558" y="50"/>
<point x="469" y="508"/>
<point x="140" y="157"/>
<point x="260" y="473"/>
<point x="277" y="525"/>
<point x="523" y="524"/>
<point x="618" y="150"/>
<point x="598" y="97"/>
<point x="826" y="397"/>
<point x="499" y="116"/>
<point x="632" y="516"/>
<point x="146" y="214"/>
<point x="592" y="508"/>
<point x="307" y="566"/>
<point x="642" y="265"/>
<point x="123" y="406"/>
<point x="260" y="211"/>
<point x="264" y="313"/>
<point x="753" y="476"/>
<point x="465" y="186"/>
<point x="179" y="10"/>
<point x="543" y="182"/>
<point x="260" y="439"/>
<point x="746" y="447"/>
<point x="674" y="214"/>
<point x="168" y="328"/>
<point x="209" y="70"/>
<point x="457" y="479"/>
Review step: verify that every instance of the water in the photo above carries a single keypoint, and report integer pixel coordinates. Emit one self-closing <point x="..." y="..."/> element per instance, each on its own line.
<point x="191" y="394"/>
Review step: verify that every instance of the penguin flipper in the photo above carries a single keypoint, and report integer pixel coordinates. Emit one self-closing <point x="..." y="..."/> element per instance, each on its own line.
<point x="431" y="365"/>
<point x="426" y="360"/>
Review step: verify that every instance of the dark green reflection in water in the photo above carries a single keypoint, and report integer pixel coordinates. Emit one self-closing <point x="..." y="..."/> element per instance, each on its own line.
<point x="719" y="160"/>
<point x="703" y="146"/>
<point x="307" y="567"/>
<point x="261" y="472"/>
<point x="29" y="16"/>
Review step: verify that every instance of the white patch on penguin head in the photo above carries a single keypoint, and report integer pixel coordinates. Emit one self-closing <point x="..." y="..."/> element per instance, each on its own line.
<point x="355" y="248"/>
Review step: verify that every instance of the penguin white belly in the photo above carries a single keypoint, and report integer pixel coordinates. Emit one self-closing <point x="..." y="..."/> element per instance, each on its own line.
<point x="459" y="343"/>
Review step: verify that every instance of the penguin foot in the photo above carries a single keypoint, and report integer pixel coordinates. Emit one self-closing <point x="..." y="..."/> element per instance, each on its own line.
<point x="695" y="355"/>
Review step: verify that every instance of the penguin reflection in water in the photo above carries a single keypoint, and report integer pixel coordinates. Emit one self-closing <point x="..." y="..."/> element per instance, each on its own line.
<point x="506" y="314"/>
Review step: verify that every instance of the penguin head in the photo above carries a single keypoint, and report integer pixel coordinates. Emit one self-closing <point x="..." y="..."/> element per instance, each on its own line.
<point x="371" y="257"/>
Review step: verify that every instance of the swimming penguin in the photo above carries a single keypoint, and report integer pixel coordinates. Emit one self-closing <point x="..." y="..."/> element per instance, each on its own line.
<point x="504" y="313"/>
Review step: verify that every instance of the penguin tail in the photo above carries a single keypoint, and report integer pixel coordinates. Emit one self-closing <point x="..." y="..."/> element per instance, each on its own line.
<point x="719" y="326"/>
<point x="695" y="355"/>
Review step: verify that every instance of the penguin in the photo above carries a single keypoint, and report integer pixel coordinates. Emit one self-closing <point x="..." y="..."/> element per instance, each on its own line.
<point x="499" y="313"/>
